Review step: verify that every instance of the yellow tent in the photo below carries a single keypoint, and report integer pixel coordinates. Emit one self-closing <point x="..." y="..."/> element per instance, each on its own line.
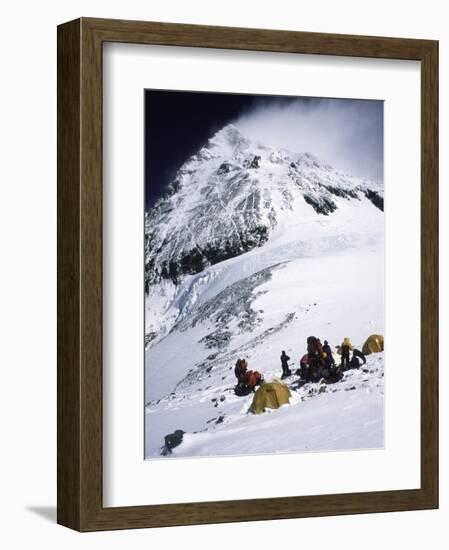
<point x="373" y="344"/>
<point x="270" y="395"/>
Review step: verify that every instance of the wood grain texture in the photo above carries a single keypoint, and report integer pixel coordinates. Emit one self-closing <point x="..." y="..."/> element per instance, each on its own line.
<point x="429" y="271"/>
<point x="80" y="274"/>
<point x="69" y="407"/>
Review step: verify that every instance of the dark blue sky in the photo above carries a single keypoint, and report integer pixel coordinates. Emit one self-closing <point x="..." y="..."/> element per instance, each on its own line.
<point x="346" y="133"/>
<point x="177" y="124"/>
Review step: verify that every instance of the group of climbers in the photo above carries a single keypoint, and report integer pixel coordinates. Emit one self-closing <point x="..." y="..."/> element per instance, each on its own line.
<point x="317" y="363"/>
<point x="247" y="380"/>
<point x="315" y="360"/>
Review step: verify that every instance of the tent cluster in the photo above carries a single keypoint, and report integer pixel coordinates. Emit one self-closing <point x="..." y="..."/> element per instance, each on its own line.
<point x="317" y="364"/>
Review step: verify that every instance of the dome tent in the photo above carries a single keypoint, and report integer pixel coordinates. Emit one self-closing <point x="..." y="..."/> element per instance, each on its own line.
<point x="373" y="344"/>
<point x="270" y="395"/>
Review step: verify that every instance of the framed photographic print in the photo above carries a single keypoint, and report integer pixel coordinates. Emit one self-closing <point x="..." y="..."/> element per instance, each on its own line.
<point x="247" y="274"/>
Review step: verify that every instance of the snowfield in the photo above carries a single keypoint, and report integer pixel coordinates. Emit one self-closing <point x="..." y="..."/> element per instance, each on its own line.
<point x="329" y="418"/>
<point x="346" y="415"/>
<point x="313" y="273"/>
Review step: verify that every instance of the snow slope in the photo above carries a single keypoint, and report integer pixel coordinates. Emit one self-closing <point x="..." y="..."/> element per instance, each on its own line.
<point x="315" y="270"/>
<point x="319" y="418"/>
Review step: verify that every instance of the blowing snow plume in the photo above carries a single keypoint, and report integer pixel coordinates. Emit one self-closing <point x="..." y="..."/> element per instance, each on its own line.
<point x="348" y="134"/>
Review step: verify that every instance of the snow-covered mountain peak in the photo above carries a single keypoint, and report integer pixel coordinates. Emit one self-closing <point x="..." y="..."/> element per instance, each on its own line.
<point x="229" y="135"/>
<point x="232" y="142"/>
<point x="227" y="199"/>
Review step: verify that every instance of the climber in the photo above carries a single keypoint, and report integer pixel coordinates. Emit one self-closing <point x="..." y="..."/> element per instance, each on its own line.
<point x="303" y="370"/>
<point x="334" y="375"/>
<point x="285" y="368"/>
<point x="359" y="354"/>
<point x="345" y="348"/>
<point x="240" y="369"/>
<point x="253" y="379"/>
<point x="315" y="358"/>
<point x="329" y="360"/>
<point x="247" y="380"/>
<point x="354" y="363"/>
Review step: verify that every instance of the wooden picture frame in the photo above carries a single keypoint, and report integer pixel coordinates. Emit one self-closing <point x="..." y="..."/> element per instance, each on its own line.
<point x="80" y="351"/>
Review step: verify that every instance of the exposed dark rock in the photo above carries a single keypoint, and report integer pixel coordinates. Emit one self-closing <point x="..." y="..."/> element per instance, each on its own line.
<point x="217" y="339"/>
<point x="375" y="198"/>
<point x="174" y="187"/>
<point x="196" y="260"/>
<point x="255" y="163"/>
<point x="224" y="168"/>
<point x="321" y="205"/>
<point x="149" y="336"/>
<point x="340" y="192"/>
